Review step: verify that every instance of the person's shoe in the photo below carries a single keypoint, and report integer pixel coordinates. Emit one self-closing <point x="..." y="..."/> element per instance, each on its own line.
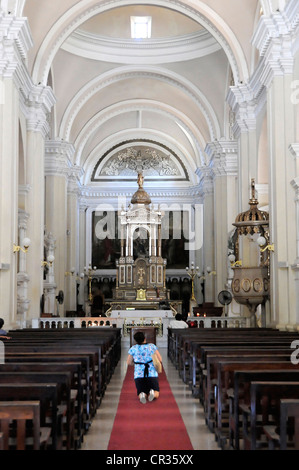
<point x="151" y="395"/>
<point x="142" y="398"/>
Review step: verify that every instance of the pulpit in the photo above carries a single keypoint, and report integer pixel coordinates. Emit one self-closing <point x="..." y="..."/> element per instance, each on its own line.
<point x="149" y="333"/>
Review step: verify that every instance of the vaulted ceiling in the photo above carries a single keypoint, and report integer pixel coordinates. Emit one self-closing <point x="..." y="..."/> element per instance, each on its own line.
<point x="118" y="97"/>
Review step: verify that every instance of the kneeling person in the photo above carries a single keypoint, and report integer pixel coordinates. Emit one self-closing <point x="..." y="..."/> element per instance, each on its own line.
<point x="145" y="374"/>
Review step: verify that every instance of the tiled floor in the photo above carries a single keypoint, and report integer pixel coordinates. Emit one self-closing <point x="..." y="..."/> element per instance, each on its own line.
<point x="98" y="435"/>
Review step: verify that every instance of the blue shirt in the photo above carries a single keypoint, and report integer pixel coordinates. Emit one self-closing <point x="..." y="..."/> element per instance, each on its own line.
<point x="143" y="353"/>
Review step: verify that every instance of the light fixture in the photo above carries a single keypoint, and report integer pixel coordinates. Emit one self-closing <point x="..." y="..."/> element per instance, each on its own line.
<point x="24" y="247"/>
<point x="262" y="242"/>
<point x="210" y="272"/>
<point x="233" y="262"/>
<point x="70" y="273"/>
<point x="192" y="273"/>
<point x="49" y="261"/>
<point x="89" y="271"/>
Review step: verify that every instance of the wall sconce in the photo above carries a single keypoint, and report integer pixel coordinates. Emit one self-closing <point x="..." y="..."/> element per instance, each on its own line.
<point x="262" y="242"/>
<point x="70" y="273"/>
<point x="233" y="262"/>
<point x="49" y="261"/>
<point x="210" y="272"/>
<point x="24" y="247"/>
<point x="79" y="278"/>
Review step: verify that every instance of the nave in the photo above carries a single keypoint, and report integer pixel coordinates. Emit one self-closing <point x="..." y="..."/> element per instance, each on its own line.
<point x="99" y="433"/>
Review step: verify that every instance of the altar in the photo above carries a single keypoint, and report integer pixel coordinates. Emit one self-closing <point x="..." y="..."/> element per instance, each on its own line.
<point x="140" y="269"/>
<point x="159" y="319"/>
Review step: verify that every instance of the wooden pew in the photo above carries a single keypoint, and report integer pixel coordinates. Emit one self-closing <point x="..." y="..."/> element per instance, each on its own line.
<point x="241" y="392"/>
<point x="47" y="395"/>
<point x="101" y="342"/>
<point x="44" y="358"/>
<point x="65" y="408"/>
<point x="208" y="367"/>
<point x="285" y="435"/>
<point x="20" y="426"/>
<point x="232" y="349"/>
<point x="94" y="353"/>
<point x="188" y="344"/>
<point x="263" y="410"/>
<point x="225" y="385"/>
<point x="76" y="395"/>
<point x="219" y="379"/>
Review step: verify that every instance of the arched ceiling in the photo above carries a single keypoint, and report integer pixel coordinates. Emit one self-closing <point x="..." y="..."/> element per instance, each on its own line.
<point x="165" y="95"/>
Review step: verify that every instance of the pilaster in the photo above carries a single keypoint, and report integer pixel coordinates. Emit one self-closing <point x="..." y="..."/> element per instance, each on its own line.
<point x="36" y="108"/>
<point x="275" y="38"/>
<point x="223" y="162"/>
<point x="58" y="164"/>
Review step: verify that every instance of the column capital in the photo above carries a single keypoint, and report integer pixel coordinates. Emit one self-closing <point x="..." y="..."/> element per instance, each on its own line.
<point x="223" y="157"/>
<point x="246" y="101"/>
<point x="74" y="175"/>
<point x="58" y="158"/>
<point x="206" y="180"/>
<point x="37" y="106"/>
<point x="275" y="38"/>
<point x="23" y="217"/>
<point x="16" y="40"/>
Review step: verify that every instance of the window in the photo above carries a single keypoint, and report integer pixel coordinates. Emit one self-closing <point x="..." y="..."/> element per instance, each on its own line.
<point x="141" y="27"/>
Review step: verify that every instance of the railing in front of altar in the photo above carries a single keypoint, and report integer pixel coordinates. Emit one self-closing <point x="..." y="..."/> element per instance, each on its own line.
<point x="126" y="323"/>
<point x="218" y="322"/>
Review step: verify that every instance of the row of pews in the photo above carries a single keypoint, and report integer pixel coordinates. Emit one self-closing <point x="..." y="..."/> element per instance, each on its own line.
<point x="52" y="383"/>
<point x="247" y="381"/>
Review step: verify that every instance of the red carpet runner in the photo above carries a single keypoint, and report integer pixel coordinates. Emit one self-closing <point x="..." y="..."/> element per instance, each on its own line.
<point x="156" y="425"/>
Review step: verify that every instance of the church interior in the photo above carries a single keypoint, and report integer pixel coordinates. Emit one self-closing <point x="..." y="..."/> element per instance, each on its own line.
<point x="149" y="168"/>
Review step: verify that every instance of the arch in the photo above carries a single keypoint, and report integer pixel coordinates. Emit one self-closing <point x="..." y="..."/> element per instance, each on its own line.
<point x="198" y="142"/>
<point x="135" y="134"/>
<point x="85" y="9"/>
<point x="122" y="73"/>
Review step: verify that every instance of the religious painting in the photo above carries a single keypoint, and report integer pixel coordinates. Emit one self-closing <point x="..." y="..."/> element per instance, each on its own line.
<point x="175" y="232"/>
<point x="105" y="239"/>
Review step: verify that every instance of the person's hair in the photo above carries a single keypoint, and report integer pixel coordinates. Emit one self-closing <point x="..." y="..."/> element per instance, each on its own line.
<point x="139" y="337"/>
<point x="178" y="316"/>
<point x="1" y="322"/>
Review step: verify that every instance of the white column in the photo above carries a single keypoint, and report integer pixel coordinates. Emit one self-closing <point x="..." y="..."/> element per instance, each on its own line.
<point x="294" y="148"/>
<point x="22" y="276"/>
<point x="49" y="283"/>
<point x="72" y="238"/>
<point x="208" y="251"/>
<point x="246" y="101"/>
<point x="275" y="37"/>
<point x="15" y="42"/>
<point x="57" y="166"/>
<point x="82" y="251"/>
<point x="224" y="156"/>
<point x="38" y="105"/>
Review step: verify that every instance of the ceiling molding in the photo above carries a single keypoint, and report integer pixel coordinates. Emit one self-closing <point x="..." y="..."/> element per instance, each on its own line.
<point x="149" y="51"/>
